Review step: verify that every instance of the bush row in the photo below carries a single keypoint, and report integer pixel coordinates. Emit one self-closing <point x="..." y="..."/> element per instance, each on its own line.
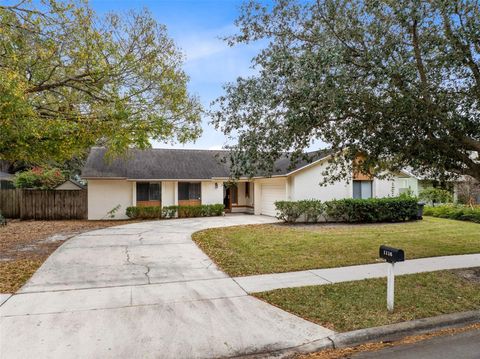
<point x="391" y="209"/>
<point x="459" y="212"/>
<point x="155" y="212"/>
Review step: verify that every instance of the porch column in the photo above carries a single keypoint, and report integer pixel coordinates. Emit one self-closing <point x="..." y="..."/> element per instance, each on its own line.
<point x="257" y="195"/>
<point x="134" y="193"/>
<point x="175" y="193"/>
<point x="288" y="190"/>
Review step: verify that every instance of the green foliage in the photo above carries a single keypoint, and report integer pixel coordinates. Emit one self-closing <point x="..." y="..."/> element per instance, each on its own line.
<point x="395" y="80"/>
<point x="204" y="210"/>
<point x="288" y="211"/>
<point x="156" y="212"/>
<point x="312" y="210"/>
<point x="458" y="212"/>
<point x="112" y="213"/>
<point x="147" y="212"/>
<point x="371" y="210"/>
<point x="72" y="79"/>
<point x="169" y="211"/>
<point x="39" y="178"/>
<point x="434" y="195"/>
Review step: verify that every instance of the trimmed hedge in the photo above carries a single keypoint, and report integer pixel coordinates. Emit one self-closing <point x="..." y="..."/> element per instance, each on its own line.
<point x="458" y="212"/>
<point x="390" y="209"/>
<point x="157" y="212"/>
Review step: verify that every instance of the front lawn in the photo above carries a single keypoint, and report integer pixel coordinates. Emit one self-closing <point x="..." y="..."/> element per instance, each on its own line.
<point x="258" y="249"/>
<point x="362" y="304"/>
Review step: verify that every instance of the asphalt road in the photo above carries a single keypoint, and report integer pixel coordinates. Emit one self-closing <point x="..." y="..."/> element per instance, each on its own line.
<point x="460" y="346"/>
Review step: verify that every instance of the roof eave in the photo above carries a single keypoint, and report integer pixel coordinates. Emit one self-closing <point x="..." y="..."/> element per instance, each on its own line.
<point x="314" y="163"/>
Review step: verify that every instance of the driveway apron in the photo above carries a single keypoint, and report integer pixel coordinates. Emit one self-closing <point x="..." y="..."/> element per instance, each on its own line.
<point x="143" y="290"/>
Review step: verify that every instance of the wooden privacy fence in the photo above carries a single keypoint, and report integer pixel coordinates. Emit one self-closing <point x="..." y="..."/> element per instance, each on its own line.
<point x="40" y="204"/>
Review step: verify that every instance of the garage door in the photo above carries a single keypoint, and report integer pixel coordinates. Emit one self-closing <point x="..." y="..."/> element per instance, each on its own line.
<point x="271" y="194"/>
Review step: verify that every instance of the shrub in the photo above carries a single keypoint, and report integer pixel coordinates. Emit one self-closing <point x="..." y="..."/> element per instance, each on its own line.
<point x="39" y="178"/>
<point x="435" y="195"/>
<point x="169" y="211"/>
<point x="156" y="212"/>
<point x="288" y="211"/>
<point x="458" y="212"/>
<point x="312" y="210"/>
<point x="371" y="210"/>
<point x="204" y="210"/>
<point x="150" y="212"/>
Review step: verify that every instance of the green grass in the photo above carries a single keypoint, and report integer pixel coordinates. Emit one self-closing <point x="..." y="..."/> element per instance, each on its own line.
<point x="362" y="304"/>
<point x="257" y="249"/>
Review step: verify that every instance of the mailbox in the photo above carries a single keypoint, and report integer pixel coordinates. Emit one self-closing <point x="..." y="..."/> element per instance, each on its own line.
<point x="391" y="255"/>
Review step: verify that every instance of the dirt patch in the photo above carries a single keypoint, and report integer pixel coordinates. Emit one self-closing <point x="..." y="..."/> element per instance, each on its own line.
<point x="25" y="245"/>
<point x="470" y="274"/>
<point x="24" y="239"/>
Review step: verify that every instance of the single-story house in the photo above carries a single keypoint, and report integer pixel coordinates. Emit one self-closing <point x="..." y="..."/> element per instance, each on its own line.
<point x="6" y="180"/>
<point x="163" y="177"/>
<point x="70" y="185"/>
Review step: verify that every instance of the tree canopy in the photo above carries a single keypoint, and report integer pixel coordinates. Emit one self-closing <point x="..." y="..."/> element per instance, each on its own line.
<point x="396" y="81"/>
<point x="71" y="79"/>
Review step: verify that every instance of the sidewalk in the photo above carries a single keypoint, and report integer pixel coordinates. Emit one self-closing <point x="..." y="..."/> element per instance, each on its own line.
<point x="265" y="282"/>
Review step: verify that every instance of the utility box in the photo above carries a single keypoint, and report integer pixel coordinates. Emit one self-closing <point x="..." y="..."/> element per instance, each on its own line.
<point x="420" y="210"/>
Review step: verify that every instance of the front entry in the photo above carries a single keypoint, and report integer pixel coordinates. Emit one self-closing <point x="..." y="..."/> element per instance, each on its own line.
<point x="230" y="198"/>
<point x="227" y="204"/>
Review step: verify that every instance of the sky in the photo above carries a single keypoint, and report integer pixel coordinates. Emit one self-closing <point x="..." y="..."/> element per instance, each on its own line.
<point x="196" y="26"/>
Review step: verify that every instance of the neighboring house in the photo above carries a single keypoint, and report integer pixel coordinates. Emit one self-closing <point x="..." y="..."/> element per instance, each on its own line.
<point x="6" y="180"/>
<point x="70" y="185"/>
<point x="162" y="177"/>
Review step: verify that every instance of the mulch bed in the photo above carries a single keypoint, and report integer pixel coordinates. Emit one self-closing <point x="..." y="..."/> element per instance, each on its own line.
<point x="25" y="245"/>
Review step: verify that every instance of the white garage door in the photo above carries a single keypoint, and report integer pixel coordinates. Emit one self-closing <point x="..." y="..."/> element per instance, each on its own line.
<point x="271" y="194"/>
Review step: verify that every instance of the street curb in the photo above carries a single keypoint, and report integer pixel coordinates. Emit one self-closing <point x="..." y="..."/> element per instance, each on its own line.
<point x="377" y="334"/>
<point x="397" y="331"/>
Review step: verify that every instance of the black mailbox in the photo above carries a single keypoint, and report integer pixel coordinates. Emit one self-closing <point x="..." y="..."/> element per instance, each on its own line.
<point x="391" y="254"/>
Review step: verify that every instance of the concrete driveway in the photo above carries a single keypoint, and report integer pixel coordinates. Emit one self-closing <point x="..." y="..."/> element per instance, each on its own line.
<point x="143" y="290"/>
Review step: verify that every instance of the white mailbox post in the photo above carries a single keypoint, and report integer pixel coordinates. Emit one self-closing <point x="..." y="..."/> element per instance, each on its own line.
<point x="391" y="256"/>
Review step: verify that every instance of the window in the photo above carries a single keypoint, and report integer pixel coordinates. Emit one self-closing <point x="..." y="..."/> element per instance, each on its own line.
<point x="362" y="189"/>
<point x="189" y="190"/>
<point x="148" y="191"/>
<point x="234" y="194"/>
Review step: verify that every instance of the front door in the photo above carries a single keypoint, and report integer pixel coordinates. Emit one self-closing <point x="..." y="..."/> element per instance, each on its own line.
<point x="227" y="199"/>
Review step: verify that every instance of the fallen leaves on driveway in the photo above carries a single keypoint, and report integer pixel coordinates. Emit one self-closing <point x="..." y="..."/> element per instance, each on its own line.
<point x="25" y="245"/>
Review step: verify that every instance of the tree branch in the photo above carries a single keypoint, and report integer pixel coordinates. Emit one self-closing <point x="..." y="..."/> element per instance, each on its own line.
<point x="418" y="56"/>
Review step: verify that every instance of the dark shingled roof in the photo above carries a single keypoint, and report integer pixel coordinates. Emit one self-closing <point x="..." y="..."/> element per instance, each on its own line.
<point x="4" y="176"/>
<point x="173" y="164"/>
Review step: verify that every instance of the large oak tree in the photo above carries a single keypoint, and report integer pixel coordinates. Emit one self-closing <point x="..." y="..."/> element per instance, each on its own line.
<point x="398" y="81"/>
<point x="70" y="79"/>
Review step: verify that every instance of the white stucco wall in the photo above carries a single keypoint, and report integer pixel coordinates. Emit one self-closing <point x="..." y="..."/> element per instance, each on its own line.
<point x="305" y="184"/>
<point x="384" y="188"/>
<point x="168" y="193"/>
<point x="406" y="182"/>
<point x="210" y="194"/>
<point x="104" y="195"/>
